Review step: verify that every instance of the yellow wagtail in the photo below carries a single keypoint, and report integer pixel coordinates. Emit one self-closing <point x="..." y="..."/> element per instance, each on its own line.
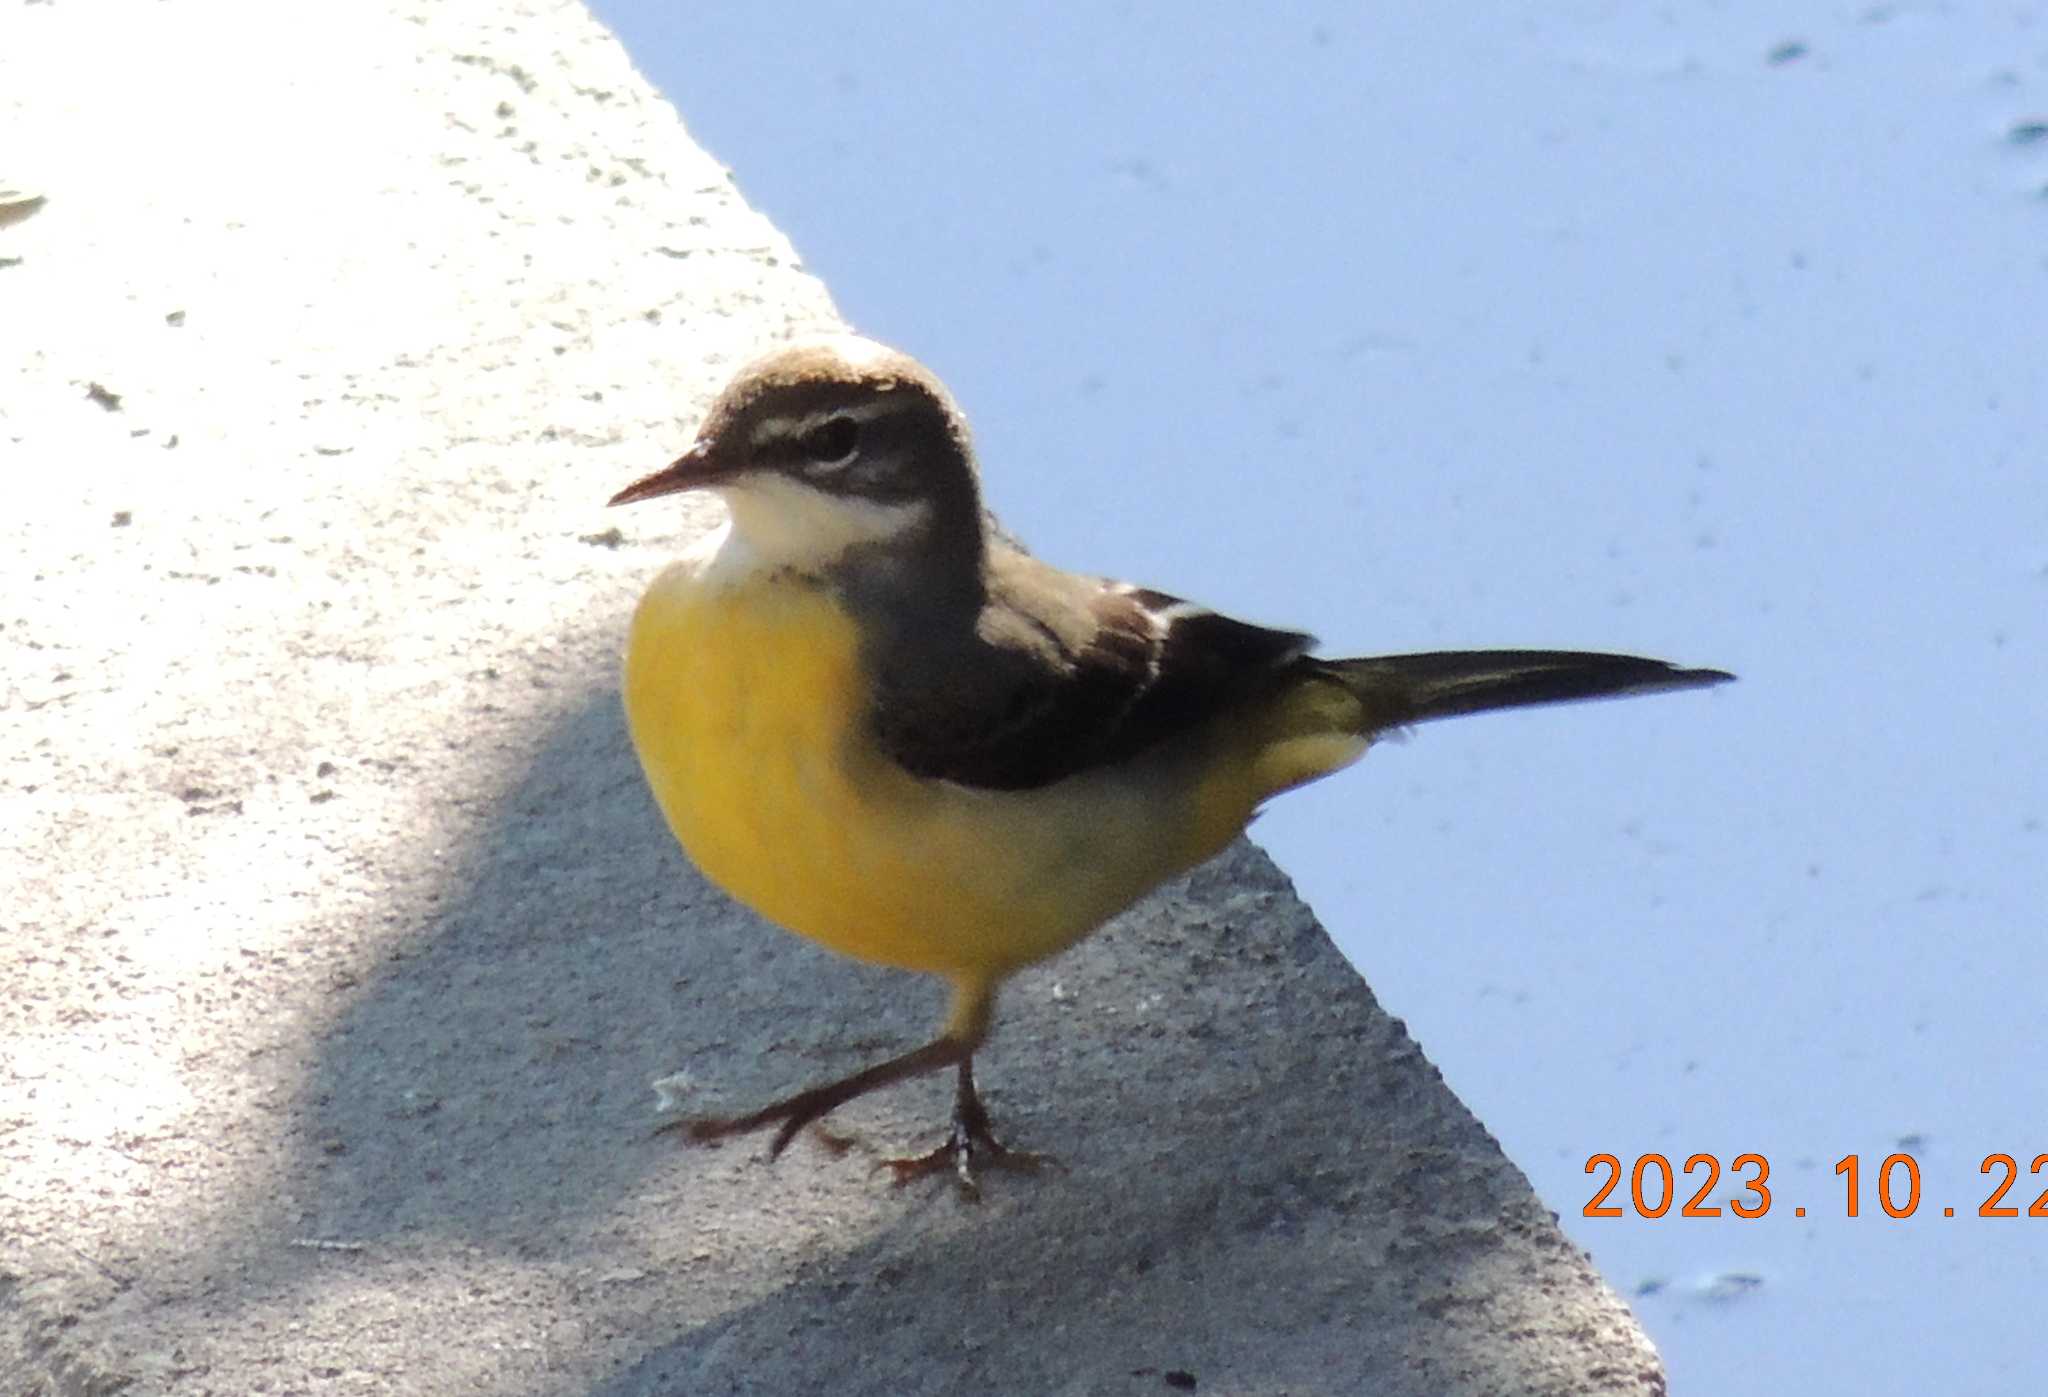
<point x="870" y="718"/>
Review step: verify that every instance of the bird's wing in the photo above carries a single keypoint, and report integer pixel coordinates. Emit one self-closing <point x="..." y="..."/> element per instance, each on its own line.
<point x="1066" y="672"/>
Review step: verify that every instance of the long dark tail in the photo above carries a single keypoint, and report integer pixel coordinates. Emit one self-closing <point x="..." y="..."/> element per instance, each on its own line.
<point x="1402" y="689"/>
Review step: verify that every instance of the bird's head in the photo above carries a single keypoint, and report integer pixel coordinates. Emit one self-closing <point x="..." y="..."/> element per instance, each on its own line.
<point x="829" y="446"/>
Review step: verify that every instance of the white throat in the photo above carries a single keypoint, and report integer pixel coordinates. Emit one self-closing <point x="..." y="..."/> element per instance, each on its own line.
<point x="779" y="524"/>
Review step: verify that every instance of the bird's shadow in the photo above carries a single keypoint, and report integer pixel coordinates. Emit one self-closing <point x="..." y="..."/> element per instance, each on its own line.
<point x="1217" y="1079"/>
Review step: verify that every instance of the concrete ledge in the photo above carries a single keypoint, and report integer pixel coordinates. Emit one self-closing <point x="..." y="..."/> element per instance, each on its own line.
<point x="342" y="941"/>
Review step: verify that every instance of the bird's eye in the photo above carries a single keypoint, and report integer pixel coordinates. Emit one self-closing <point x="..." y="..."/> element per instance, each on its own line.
<point x="832" y="442"/>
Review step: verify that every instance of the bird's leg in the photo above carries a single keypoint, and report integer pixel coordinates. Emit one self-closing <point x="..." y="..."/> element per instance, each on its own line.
<point x="793" y="1113"/>
<point x="970" y="1148"/>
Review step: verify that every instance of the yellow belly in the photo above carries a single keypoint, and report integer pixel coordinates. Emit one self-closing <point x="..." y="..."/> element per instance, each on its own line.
<point x="745" y="704"/>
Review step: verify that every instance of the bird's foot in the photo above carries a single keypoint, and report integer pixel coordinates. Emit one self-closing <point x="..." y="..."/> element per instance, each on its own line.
<point x="791" y="1114"/>
<point x="970" y="1149"/>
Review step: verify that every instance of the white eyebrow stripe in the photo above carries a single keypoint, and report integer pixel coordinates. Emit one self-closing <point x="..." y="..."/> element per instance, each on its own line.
<point x="771" y="429"/>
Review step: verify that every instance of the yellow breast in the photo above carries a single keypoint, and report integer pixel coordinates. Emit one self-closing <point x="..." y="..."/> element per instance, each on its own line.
<point x="746" y="703"/>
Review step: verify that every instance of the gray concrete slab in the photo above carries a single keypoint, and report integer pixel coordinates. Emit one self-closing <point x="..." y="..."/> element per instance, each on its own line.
<point x="341" y="941"/>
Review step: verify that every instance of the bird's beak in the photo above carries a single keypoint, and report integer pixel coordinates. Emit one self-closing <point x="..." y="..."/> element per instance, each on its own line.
<point x="695" y="469"/>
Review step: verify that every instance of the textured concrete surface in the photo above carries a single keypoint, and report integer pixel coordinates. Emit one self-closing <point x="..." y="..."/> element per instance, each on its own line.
<point x="341" y="941"/>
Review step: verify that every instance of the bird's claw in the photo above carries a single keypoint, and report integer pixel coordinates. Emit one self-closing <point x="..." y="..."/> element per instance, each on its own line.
<point x="970" y="1149"/>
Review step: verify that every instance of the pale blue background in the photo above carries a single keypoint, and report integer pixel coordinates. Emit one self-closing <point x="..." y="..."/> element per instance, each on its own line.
<point x="1715" y="332"/>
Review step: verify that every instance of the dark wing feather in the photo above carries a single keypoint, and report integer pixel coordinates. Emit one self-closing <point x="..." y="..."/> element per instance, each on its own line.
<point x="1063" y="673"/>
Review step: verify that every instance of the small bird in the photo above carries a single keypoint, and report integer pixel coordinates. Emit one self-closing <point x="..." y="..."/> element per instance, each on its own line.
<point x="874" y="720"/>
